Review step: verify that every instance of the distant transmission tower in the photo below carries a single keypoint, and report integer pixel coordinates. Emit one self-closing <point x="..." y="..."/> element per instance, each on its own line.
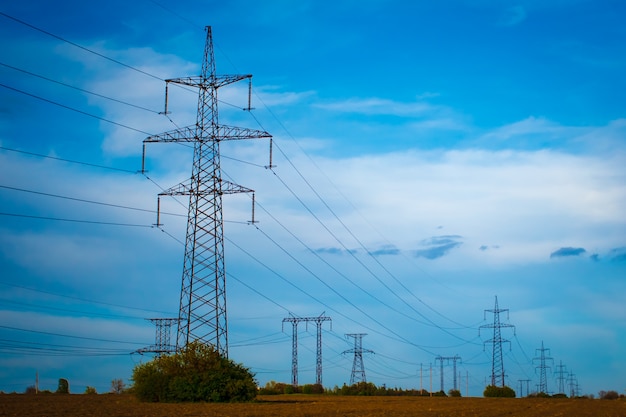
<point x="521" y="387"/>
<point x="358" y="370"/>
<point x="497" y="365"/>
<point x="543" y="380"/>
<point x="561" y="377"/>
<point x="202" y="314"/>
<point x="294" y="345"/>
<point x="572" y="381"/>
<point x="448" y="358"/>
<point x="162" y="344"/>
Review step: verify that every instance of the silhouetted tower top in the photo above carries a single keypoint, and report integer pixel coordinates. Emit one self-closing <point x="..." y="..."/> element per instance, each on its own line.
<point x="497" y="365"/>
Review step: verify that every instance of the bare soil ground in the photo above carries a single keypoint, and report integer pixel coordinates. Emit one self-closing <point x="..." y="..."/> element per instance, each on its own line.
<point x="111" y="405"/>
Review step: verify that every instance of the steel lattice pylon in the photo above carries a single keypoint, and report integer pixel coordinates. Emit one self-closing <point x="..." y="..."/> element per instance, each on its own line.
<point x="358" y="370"/>
<point x="497" y="365"/>
<point x="162" y="344"/>
<point x="294" y="345"/>
<point x="202" y="314"/>
<point x="543" y="380"/>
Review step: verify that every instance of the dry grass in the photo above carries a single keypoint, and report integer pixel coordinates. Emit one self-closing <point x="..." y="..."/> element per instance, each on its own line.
<point x="110" y="405"/>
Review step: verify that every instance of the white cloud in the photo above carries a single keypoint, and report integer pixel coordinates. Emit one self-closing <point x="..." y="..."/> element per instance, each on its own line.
<point x="529" y="202"/>
<point x="378" y="106"/>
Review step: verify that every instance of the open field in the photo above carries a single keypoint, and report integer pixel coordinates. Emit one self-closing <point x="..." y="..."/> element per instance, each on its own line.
<point x="111" y="405"/>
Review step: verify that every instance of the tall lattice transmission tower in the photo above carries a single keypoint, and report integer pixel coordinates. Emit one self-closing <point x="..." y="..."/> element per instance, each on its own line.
<point x="497" y="365"/>
<point x="358" y="370"/>
<point x="202" y="313"/>
<point x="542" y="358"/>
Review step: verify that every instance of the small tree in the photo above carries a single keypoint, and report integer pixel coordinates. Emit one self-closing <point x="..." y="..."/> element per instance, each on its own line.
<point x="608" y="395"/>
<point x="64" y="386"/>
<point x="454" y="393"/>
<point x="90" y="390"/>
<point x="117" y="386"/>
<point x="197" y="373"/>
<point x="493" y="391"/>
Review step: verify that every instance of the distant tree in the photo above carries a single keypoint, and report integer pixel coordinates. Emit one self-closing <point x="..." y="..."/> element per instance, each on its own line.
<point x="493" y="391"/>
<point x="454" y="393"/>
<point x="608" y="395"/>
<point x="63" y="387"/>
<point x="31" y="389"/>
<point x="90" y="390"/>
<point x="290" y="389"/>
<point x="196" y="373"/>
<point x="312" y="389"/>
<point x="117" y="386"/>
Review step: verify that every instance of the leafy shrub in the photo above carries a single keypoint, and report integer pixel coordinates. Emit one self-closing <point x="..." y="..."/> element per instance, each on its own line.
<point x="197" y="373"/>
<point x="493" y="391"/>
<point x="273" y="388"/>
<point x="313" y="389"/>
<point x="454" y="393"/>
<point x="608" y="395"/>
<point x="64" y="386"/>
<point x="90" y="390"/>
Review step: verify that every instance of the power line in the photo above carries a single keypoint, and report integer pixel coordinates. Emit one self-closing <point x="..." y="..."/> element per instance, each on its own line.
<point x="78" y="89"/>
<point x="68" y="160"/>
<point x="84" y="313"/>
<point x="72" y="108"/>
<point x="81" y="200"/>
<point x="79" y="46"/>
<point x="76" y="221"/>
<point x="69" y="336"/>
<point x="10" y="346"/>
<point x="397" y="335"/>
<point x="79" y="298"/>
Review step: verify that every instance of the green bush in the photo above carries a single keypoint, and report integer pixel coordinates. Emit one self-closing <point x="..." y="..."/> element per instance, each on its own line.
<point x="90" y="390"/>
<point x="454" y="393"/>
<point x="492" y="391"/>
<point x="273" y="388"/>
<point x="197" y="373"/>
<point x="64" y="386"/>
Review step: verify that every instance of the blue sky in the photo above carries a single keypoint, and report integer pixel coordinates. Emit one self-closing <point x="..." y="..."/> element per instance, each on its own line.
<point x="429" y="157"/>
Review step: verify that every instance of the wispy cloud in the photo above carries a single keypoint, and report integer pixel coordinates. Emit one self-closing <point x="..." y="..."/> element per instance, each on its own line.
<point x="437" y="246"/>
<point x="618" y="254"/>
<point x="380" y="106"/>
<point x="386" y="250"/>
<point x="567" y="251"/>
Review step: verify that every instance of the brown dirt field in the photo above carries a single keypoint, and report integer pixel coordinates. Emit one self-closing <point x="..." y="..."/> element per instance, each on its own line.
<point x="110" y="405"/>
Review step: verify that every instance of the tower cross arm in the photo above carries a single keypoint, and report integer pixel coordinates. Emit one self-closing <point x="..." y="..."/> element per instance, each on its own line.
<point x="227" y="187"/>
<point x="183" y="134"/>
<point x="214" y="81"/>
<point x="225" y="132"/>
